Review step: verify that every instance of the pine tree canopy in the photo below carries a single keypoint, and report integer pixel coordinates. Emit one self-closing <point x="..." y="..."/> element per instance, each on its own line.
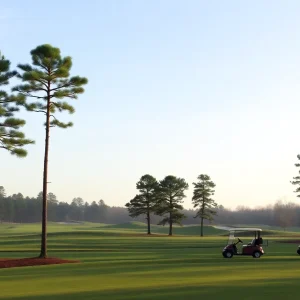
<point x="11" y="138"/>
<point x="203" y="190"/>
<point x="296" y="180"/>
<point x="48" y="81"/>
<point x="170" y="198"/>
<point x="145" y="201"/>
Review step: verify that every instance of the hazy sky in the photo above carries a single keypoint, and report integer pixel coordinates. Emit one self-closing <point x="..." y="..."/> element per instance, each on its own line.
<point x="175" y="88"/>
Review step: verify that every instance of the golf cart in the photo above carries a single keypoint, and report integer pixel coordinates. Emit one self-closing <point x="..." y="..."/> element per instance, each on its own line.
<point x="298" y="250"/>
<point x="253" y="248"/>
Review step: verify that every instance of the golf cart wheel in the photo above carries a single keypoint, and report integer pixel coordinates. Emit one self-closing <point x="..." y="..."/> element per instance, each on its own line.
<point x="298" y="251"/>
<point x="228" y="254"/>
<point x="256" y="254"/>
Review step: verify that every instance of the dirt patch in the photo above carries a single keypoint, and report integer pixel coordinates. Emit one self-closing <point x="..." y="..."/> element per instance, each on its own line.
<point x="290" y="241"/>
<point x="30" y="262"/>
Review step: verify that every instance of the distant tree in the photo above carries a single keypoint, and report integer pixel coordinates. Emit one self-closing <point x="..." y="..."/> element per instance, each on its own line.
<point x="92" y="212"/>
<point x="63" y="209"/>
<point x="40" y="196"/>
<point x="296" y="180"/>
<point x="102" y="211"/>
<point x="20" y="208"/>
<point x="11" y="138"/>
<point x="18" y="196"/>
<point x="101" y="202"/>
<point x="52" y="198"/>
<point x="285" y="214"/>
<point x="2" y="203"/>
<point x="221" y="207"/>
<point x="34" y="206"/>
<point x="2" y="192"/>
<point x="77" y="209"/>
<point x="52" y="206"/>
<point x="78" y="201"/>
<point x="144" y="203"/>
<point x="170" y="194"/>
<point x="203" y="190"/>
<point x="48" y="81"/>
<point x="9" y="209"/>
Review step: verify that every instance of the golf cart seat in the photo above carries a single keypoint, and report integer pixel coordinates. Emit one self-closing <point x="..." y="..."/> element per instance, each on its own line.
<point x="256" y="242"/>
<point x="259" y="241"/>
<point x="252" y="243"/>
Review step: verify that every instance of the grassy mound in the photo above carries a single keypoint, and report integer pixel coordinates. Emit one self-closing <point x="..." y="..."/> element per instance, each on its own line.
<point x="189" y="230"/>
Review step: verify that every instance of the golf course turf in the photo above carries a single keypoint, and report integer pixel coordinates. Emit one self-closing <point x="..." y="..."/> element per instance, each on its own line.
<point x="115" y="262"/>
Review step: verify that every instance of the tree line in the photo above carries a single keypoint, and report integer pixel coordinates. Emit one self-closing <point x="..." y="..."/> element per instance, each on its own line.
<point x="17" y="208"/>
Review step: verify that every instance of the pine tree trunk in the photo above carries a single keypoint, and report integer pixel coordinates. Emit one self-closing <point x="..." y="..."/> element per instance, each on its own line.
<point x="43" y="253"/>
<point x="171" y="225"/>
<point x="148" y="222"/>
<point x="202" y="213"/>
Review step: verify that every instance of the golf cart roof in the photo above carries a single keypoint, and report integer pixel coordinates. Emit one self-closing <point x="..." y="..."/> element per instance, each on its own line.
<point x="244" y="229"/>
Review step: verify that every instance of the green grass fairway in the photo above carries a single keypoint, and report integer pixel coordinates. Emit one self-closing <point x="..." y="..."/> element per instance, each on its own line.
<point x="119" y="262"/>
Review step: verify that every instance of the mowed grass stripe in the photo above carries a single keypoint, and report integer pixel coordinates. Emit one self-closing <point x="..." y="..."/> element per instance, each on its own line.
<point x="119" y="280"/>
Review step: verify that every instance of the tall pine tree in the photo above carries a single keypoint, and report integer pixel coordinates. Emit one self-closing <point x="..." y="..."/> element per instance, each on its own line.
<point x="144" y="203"/>
<point x="11" y="138"/>
<point x="170" y="198"/>
<point x="203" y="190"/>
<point x="48" y="81"/>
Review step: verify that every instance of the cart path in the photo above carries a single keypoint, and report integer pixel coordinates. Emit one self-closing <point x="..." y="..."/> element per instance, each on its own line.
<point x="224" y="228"/>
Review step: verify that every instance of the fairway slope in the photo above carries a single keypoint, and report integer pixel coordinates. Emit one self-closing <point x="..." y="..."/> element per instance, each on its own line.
<point x="189" y="230"/>
<point x="124" y="264"/>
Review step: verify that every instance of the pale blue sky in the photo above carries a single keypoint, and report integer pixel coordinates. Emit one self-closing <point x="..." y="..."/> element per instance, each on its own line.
<point x="175" y="87"/>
